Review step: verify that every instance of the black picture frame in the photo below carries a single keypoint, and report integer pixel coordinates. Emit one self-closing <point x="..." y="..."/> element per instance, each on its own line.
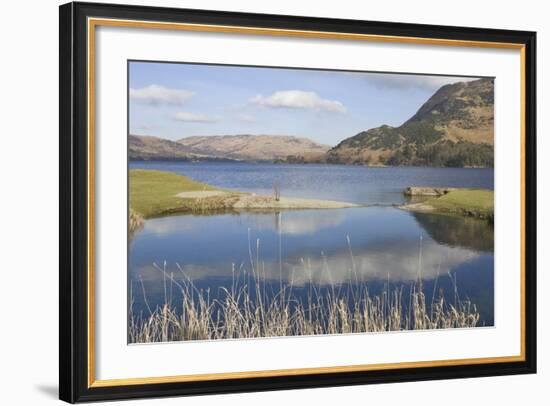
<point x="74" y="199"/>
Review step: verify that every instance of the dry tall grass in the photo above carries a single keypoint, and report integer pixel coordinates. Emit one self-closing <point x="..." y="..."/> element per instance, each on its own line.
<point x="249" y="309"/>
<point x="135" y="221"/>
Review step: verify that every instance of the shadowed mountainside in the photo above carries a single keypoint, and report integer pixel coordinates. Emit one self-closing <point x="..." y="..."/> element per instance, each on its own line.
<point x="454" y="128"/>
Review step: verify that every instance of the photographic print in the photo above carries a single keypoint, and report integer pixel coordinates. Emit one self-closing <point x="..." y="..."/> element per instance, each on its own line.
<point x="263" y="202"/>
<point x="268" y="202"/>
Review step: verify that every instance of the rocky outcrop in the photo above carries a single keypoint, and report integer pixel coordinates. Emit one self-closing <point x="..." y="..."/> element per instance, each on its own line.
<point x="427" y="191"/>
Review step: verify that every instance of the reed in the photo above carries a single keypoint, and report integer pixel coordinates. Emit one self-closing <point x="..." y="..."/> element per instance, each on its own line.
<point x="135" y="221"/>
<point x="251" y="308"/>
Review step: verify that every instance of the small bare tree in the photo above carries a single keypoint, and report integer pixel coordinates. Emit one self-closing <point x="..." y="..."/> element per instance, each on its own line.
<point x="277" y="191"/>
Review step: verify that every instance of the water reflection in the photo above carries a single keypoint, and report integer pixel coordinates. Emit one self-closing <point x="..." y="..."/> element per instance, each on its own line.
<point x="326" y="247"/>
<point x="402" y="262"/>
<point x="458" y="231"/>
<point x="308" y="222"/>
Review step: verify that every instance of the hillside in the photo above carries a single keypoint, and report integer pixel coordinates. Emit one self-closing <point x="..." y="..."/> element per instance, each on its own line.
<point x="256" y="147"/>
<point x="143" y="147"/>
<point x="453" y="128"/>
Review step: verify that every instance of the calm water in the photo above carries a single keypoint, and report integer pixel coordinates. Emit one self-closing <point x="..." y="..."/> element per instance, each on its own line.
<point x="355" y="184"/>
<point x="379" y="244"/>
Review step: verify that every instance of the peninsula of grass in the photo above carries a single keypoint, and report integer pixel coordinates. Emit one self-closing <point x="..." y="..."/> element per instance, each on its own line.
<point x="470" y="202"/>
<point x="157" y="193"/>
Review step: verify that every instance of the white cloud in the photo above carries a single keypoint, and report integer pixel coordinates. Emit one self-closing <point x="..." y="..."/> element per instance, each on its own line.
<point x="156" y="95"/>
<point x="194" y="117"/>
<point x="368" y="265"/>
<point x="299" y="99"/>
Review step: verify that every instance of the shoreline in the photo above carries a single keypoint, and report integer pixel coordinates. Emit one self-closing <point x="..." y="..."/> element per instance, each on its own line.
<point x="242" y="201"/>
<point x="156" y="193"/>
<point x="478" y="203"/>
<point x="276" y="162"/>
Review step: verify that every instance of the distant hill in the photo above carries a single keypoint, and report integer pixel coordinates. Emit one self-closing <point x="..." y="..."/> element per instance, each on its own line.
<point x="455" y="127"/>
<point x="272" y="148"/>
<point x="256" y="147"/>
<point x="144" y="147"/>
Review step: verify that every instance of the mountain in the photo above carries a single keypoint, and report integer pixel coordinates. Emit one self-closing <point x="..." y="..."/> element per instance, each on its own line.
<point x="144" y="147"/>
<point x="256" y="147"/>
<point x="278" y="148"/>
<point x="455" y="127"/>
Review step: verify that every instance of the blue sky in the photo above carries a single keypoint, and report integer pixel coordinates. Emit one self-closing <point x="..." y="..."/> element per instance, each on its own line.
<point x="174" y="100"/>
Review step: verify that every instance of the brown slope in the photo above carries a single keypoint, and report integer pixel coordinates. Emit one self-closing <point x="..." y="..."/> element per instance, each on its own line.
<point x="454" y="127"/>
<point x="254" y="147"/>
<point x="145" y="147"/>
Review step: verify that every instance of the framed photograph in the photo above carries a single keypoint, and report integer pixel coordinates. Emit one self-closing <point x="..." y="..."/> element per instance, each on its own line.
<point x="257" y="202"/>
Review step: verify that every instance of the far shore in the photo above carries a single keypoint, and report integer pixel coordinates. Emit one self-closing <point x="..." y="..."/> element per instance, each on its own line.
<point x="284" y="161"/>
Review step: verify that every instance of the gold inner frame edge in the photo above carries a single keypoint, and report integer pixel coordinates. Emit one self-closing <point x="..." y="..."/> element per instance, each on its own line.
<point x="94" y="22"/>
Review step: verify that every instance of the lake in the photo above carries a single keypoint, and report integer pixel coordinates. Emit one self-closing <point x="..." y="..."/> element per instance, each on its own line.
<point x="355" y="184"/>
<point x="381" y="245"/>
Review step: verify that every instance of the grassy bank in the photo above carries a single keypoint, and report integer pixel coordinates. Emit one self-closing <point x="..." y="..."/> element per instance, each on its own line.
<point x="154" y="193"/>
<point x="470" y="202"/>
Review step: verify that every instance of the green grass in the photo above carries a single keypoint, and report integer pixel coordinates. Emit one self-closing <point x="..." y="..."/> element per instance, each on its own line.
<point x="153" y="193"/>
<point x="474" y="202"/>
